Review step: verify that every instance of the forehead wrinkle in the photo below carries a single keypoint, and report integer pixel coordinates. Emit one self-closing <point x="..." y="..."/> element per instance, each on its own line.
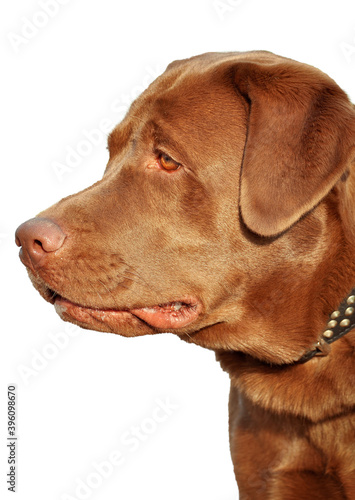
<point x="163" y="135"/>
<point x="119" y="137"/>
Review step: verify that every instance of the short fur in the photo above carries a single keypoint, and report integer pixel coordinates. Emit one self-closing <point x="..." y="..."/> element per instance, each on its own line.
<point x="259" y="225"/>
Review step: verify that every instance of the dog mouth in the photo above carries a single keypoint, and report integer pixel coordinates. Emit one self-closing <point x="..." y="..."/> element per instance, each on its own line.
<point x="167" y="316"/>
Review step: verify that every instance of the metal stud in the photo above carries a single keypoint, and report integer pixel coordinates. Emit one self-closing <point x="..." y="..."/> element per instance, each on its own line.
<point x="349" y="311"/>
<point x="332" y="323"/>
<point x="323" y="348"/>
<point x="351" y="300"/>
<point x="335" y="315"/>
<point x="345" y="322"/>
<point x="328" y="334"/>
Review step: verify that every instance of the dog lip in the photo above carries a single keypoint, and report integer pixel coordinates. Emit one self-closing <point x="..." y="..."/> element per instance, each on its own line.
<point x="174" y="314"/>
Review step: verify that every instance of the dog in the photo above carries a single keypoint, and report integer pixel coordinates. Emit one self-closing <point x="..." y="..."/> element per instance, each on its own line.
<point x="226" y="215"/>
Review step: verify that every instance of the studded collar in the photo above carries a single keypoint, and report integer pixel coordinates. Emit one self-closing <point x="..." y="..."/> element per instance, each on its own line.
<point x="340" y="323"/>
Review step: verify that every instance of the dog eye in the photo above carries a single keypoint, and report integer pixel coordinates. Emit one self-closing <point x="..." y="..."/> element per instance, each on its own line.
<point x="168" y="163"/>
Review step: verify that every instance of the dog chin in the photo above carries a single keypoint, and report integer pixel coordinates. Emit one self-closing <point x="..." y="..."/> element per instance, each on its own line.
<point x="120" y="322"/>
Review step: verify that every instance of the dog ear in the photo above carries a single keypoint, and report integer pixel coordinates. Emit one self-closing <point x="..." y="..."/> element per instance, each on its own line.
<point x="300" y="139"/>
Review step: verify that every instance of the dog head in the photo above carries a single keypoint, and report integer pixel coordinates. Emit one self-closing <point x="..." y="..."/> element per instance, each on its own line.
<point x="222" y="207"/>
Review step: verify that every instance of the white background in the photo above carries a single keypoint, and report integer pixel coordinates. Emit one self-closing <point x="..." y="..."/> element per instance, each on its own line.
<point x="83" y="66"/>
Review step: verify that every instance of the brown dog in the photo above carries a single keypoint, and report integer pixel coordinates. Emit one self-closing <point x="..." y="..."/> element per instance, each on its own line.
<point x="226" y="215"/>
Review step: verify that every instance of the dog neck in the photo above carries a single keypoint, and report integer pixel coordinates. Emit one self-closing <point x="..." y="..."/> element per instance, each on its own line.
<point x="341" y="322"/>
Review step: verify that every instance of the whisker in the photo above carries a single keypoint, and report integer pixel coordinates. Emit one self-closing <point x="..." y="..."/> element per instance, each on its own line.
<point x="109" y="291"/>
<point x="96" y="291"/>
<point x="123" y="277"/>
<point x="142" y="281"/>
<point x="102" y="300"/>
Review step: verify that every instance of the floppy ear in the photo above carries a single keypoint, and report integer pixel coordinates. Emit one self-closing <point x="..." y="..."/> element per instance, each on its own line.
<point x="300" y="139"/>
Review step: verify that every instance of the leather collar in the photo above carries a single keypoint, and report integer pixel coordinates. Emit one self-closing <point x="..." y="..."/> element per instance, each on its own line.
<point x="341" y="322"/>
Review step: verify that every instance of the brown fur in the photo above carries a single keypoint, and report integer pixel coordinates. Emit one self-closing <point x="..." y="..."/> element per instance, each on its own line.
<point x="259" y="225"/>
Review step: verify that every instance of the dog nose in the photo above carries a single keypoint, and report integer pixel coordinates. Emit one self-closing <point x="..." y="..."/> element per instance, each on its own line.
<point x="37" y="237"/>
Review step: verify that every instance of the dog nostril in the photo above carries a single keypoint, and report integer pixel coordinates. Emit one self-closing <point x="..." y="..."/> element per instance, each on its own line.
<point x="39" y="243"/>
